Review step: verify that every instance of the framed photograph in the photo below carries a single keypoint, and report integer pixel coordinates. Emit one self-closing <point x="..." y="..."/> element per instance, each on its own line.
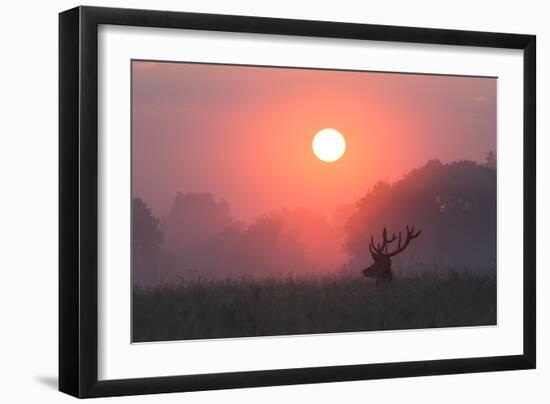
<point x="250" y="201"/>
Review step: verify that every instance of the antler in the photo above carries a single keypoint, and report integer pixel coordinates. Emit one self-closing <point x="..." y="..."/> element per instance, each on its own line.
<point x="382" y="248"/>
<point x="410" y="236"/>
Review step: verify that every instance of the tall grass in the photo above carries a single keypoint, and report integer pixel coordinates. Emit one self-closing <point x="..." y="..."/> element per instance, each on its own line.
<point x="205" y="309"/>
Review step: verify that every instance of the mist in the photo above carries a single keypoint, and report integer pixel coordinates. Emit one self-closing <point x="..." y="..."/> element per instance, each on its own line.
<point x="454" y="204"/>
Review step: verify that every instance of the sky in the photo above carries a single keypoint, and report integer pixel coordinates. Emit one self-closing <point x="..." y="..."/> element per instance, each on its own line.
<point x="244" y="133"/>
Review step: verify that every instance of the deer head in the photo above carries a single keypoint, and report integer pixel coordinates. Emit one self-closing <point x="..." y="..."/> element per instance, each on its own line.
<point x="381" y="268"/>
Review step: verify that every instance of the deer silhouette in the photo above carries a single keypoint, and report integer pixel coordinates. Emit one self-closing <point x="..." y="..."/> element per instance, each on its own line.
<point x="381" y="268"/>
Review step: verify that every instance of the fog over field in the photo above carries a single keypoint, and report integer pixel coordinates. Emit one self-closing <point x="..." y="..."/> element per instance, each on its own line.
<point x="273" y="200"/>
<point x="454" y="205"/>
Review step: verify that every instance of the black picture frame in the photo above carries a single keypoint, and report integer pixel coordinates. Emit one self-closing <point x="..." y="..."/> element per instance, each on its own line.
<point x="78" y="201"/>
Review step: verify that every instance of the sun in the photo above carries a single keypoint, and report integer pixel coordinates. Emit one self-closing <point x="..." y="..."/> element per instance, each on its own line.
<point x="328" y="145"/>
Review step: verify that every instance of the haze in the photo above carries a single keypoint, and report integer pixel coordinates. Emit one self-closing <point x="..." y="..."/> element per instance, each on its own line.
<point x="223" y="165"/>
<point x="244" y="133"/>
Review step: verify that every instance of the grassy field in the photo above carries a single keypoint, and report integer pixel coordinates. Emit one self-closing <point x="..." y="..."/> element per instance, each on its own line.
<point x="205" y="309"/>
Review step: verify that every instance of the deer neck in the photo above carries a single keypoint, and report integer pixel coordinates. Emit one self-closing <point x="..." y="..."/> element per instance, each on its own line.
<point x="385" y="276"/>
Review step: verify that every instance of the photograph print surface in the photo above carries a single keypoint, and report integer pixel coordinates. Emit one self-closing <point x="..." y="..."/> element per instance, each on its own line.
<point x="281" y="201"/>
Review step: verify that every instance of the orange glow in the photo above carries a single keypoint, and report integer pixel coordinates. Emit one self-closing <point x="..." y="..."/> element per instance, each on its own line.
<point x="245" y="134"/>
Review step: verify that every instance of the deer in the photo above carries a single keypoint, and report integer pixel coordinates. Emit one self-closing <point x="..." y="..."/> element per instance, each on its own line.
<point x="381" y="268"/>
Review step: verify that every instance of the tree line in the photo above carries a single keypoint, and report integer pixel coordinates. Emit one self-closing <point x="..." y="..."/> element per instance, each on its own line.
<point x="453" y="203"/>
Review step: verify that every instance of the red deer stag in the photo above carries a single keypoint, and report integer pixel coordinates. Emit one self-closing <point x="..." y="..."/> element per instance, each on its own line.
<point x="381" y="269"/>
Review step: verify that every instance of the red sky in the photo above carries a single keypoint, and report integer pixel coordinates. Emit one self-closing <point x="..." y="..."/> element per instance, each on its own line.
<point x="244" y="133"/>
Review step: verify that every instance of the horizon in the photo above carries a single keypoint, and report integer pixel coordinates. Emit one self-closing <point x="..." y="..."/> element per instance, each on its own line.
<point x="244" y="133"/>
<point x="329" y="216"/>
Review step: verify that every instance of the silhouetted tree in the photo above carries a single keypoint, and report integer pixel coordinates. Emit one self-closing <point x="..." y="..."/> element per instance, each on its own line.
<point x="146" y="239"/>
<point x="491" y="160"/>
<point x="288" y="241"/>
<point x="203" y="240"/>
<point x="264" y="248"/>
<point x="454" y="204"/>
<point x="193" y="218"/>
